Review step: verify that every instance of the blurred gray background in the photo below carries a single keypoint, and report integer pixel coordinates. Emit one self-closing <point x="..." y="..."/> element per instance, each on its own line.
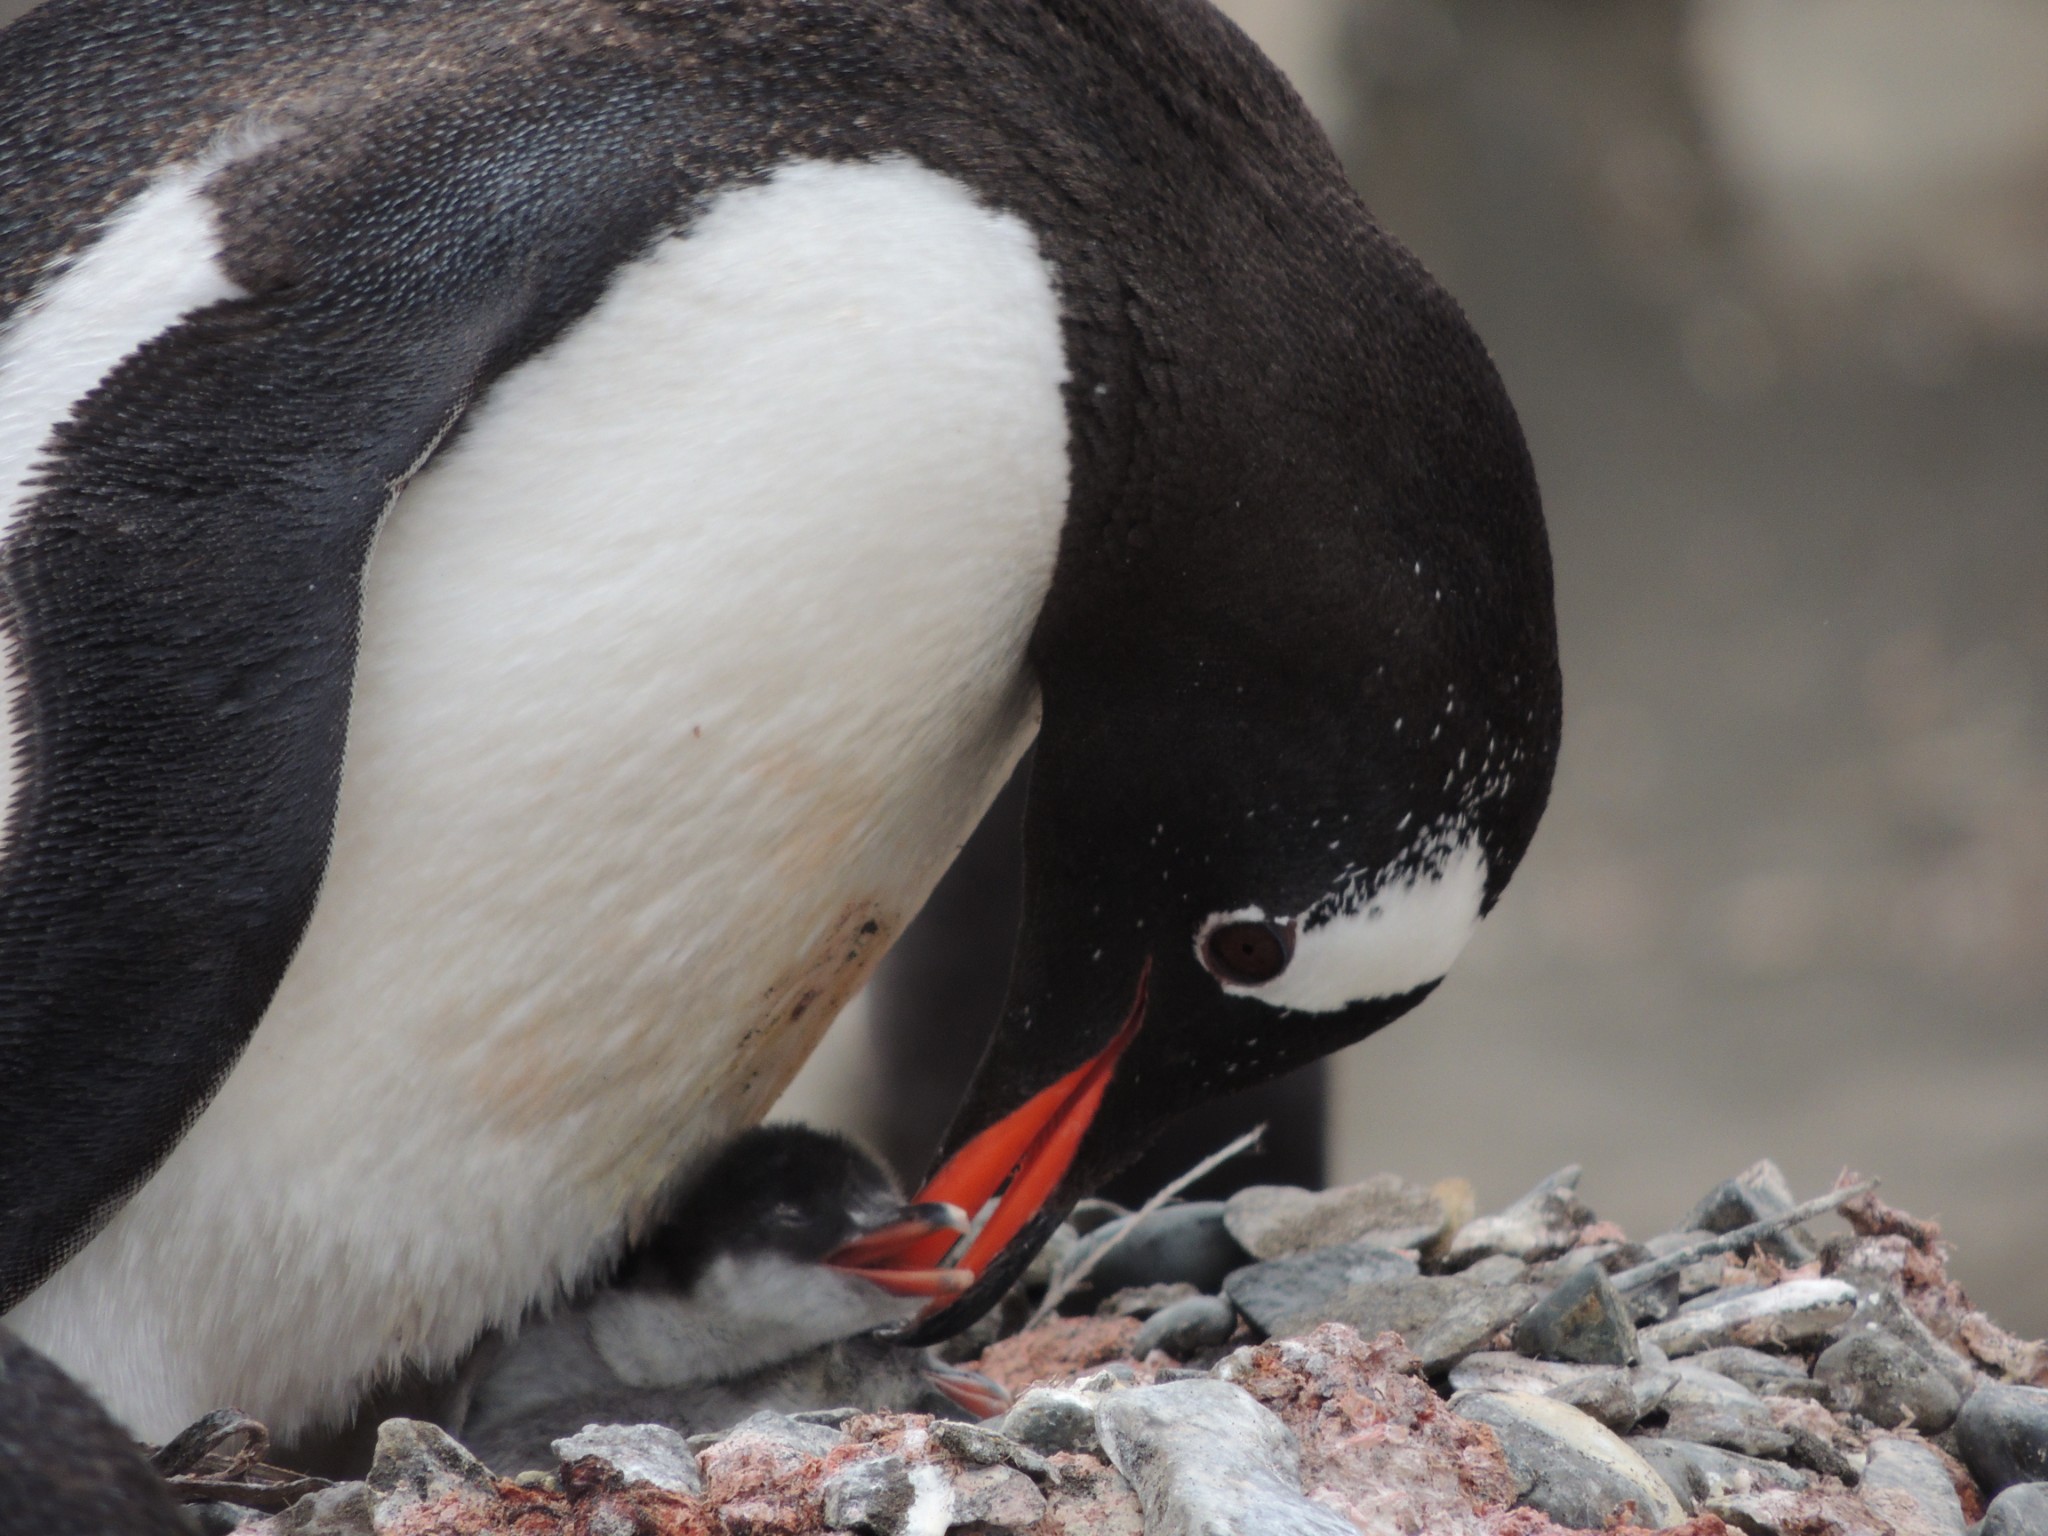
<point x="1769" y="282"/>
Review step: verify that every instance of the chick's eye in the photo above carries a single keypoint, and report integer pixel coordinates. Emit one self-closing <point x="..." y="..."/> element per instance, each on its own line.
<point x="1247" y="953"/>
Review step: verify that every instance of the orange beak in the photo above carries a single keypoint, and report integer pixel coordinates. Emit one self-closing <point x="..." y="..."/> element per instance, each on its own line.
<point x="883" y="1257"/>
<point x="1024" y="1155"/>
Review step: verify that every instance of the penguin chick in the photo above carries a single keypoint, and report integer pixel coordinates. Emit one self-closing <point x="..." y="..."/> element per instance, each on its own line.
<point x="759" y="1289"/>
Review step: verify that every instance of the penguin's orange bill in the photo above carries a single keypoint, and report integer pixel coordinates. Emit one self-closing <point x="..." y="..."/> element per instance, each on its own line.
<point x="1024" y="1155"/>
<point x="878" y="1257"/>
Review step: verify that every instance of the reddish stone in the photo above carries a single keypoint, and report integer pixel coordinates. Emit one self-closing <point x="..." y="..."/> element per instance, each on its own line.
<point x="1378" y="1446"/>
<point x="1057" y="1351"/>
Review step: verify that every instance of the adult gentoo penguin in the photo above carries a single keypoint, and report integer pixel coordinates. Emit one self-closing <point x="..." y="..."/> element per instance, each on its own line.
<point x="532" y="529"/>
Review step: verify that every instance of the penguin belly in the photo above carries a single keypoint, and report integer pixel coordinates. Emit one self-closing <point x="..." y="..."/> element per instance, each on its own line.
<point x="685" y="669"/>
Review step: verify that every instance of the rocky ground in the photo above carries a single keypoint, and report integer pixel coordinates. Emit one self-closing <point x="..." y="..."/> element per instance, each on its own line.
<point x="1373" y="1359"/>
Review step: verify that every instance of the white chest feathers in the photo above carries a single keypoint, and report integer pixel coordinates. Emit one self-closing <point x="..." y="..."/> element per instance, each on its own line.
<point x="685" y="670"/>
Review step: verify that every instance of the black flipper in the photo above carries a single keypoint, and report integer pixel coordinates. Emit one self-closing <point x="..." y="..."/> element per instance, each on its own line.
<point x="182" y="594"/>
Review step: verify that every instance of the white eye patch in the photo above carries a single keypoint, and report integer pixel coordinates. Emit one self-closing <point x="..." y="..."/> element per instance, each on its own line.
<point x="1373" y="938"/>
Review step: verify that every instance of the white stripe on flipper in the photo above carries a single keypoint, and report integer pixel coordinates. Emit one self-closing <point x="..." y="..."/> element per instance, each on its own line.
<point x="156" y="261"/>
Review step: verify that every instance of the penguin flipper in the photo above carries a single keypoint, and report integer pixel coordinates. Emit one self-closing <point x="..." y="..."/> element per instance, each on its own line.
<point x="180" y="588"/>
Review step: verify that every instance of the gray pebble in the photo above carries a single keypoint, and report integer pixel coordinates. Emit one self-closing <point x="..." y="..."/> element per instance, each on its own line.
<point x="1186" y="1241"/>
<point x="1583" y="1321"/>
<point x="984" y="1447"/>
<point x="1272" y="1221"/>
<point x="1614" y="1396"/>
<point x="872" y="1497"/>
<point x="1697" y="1473"/>
<point x="1053" y="1419"/>
<point x="2003" y="1435"/>
<point x="1883" y="1308"/>
<point x="642" y="1453"/>
<point x="1756" y="1194"/>
<point x="1765" y="1375"/>
<point x="2022" y="1510"/>
<point x="1543" y="1223"/>
<point x="995" y="1499"/>
<point x="1288" y="1296"/>
<point x="1186" y="1327"/>
<point x="1443" y="1318"/>
<point x="1206" y="1457"/>
<point x="1874" y="1374"/>
<point x="1909" y="1470"/>
<point x="1572" y="1469"/>
<point x="1710" y="1409"/>
<point x="1618" y="1397"/>
<point x="1497" y="1269"/>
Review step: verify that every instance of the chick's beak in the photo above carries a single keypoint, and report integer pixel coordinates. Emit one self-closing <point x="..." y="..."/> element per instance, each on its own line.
<point x="885" y="1256"/>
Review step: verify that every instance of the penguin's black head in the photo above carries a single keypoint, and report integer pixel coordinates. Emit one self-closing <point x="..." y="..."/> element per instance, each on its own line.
<point x="1301" y="704"/>
<point x="795" y="1193"/>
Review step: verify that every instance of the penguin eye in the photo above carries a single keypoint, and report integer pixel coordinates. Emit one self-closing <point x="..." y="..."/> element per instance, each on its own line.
<point x="1246" y="953"/>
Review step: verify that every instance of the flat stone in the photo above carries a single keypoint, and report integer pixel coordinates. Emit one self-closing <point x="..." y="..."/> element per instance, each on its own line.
<point x="1877" y="1375"/>
<point x="1765" y="1375"/>
<point x="1443" y="1318"/>
<point x="1572" y="1469"/>
<point x="1756" y="1194"/>
<point x="1500" y="1370"/>
<point x="1205" y="1458"/>
<point x="1697" y="1473"/>
<point x="1497" y="1269"/>
<point x="996" y="1499"/>
<point x="1054" y="1419"/>
<point x="2002" y="1433"/>
<point x="641" y="1453"/>
<point x="1818" y="1511"/>
<point x="1273" y="1221"/>
<point x="1787" y="1316"/>
<point x="872" y="1497"/>
<point x="1542" y="1224"/>
<point x="1618" y="1396"/>
<point x="1187" y="1327"/>
<point x="1183" y="1242"/>
<point x="2022" y="1510"/>
<point x="1710" y="1409"/>
<point x="1583" y="1321"/>
<point x="1283" y="1296"/>
<point x="983" y="1447"/>
<point x="1909" y="1483"/>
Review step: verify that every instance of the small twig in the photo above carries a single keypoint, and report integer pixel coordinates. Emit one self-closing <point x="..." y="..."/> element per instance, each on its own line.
<point x="1063" y="1285"/>
<point x="1741" y="1237"/>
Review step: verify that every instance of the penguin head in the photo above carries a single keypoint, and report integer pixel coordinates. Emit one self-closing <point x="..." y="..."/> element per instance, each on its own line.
<point x="793" y="1194"/>
<point x="1301" y="711"/>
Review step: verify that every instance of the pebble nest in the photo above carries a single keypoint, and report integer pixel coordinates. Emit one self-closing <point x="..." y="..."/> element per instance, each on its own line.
<point x="1375" y="1359"/>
